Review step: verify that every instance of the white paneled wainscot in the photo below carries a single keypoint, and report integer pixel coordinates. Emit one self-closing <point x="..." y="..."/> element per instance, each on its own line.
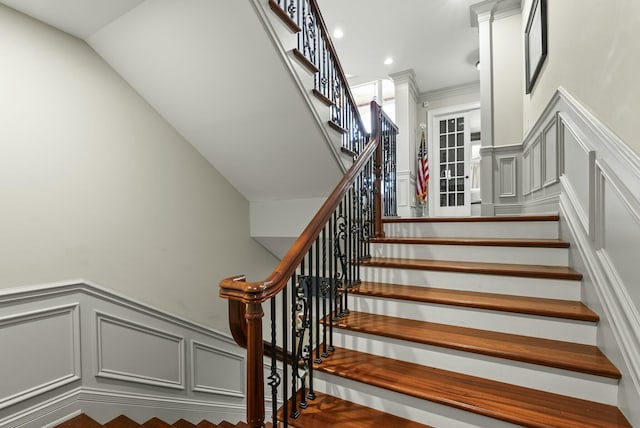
<point x="75" y="347"/>
<point x="573" y="164"/>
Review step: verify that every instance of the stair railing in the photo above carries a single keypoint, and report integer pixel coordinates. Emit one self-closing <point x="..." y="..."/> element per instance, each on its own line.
<point x="382" y="125"/>
<point x="308" y="290"/>
<point x="315" y="46"/>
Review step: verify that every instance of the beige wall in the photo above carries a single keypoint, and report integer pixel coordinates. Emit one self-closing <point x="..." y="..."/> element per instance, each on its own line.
<point x="508" y="80"/>
<point x="94" y="184"/>
<point x="593" y="53"/>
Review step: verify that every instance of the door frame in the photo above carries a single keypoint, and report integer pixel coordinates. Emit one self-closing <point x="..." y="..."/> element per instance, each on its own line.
<point x="432" y="117"/>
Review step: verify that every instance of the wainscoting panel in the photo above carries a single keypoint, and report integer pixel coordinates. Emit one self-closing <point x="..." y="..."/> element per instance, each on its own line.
<point x="536" y="164"/>
<point x="578" y="171"/>
<point x="507" y="168"/>
<point x="526" y="172"/>
<point x="140" y="354"/>
<point x="75" y="346"/>
<point x="550" y="149"/>
<point x="39" y="352"/>
<point x="216" y="371"/>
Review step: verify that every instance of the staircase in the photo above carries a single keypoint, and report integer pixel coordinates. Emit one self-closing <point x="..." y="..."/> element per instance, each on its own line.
<point x="466" y="322"/>
<point x="84" y="421"/>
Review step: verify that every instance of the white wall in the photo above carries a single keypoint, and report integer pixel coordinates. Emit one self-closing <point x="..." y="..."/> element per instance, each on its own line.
<point x="95" y="184"/>
<point x="593" y="53"/>
<point x="508" y="85"/>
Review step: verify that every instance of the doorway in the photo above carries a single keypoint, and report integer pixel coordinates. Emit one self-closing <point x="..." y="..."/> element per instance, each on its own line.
<point x="450" y="154"/>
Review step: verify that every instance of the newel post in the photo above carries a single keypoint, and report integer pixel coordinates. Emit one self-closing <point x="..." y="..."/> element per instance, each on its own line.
<point x="255" y="371"/>
<point x="376" y="132"/>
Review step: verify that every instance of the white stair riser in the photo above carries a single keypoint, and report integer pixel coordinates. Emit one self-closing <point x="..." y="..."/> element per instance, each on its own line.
<point x="532" y="287"/>
<point x="405" y="406"/>
<point x="503" y="322"/>
<point x="507" y="229"/>
<point x="475" y="253"/>
<point x="579" y="385"/>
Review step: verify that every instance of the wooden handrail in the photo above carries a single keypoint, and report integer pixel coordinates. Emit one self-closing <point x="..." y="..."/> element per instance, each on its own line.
<point x="237" y="288"/>
<point x="325" y="34"/>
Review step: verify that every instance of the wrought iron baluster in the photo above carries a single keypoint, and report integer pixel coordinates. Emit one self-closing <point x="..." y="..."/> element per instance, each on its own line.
<point x="285" y="357"/>
<point x="318" y="279"/>
<point x="274" y="377"/>
<point x="309" y="324"/>
<point x="325" y="287"/>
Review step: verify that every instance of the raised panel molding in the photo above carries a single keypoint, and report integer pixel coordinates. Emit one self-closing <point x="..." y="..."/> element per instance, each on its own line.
<point x="405" y="183"/>
<point x="550" y="152"/>
<point x="526" y="172"/>
<point x="507" y="168"/>
<point x="578" y="177"/>
<point x="206" y="360"/>
<point x="47" y="341"/>
<point x="536" y="164"/>
<point x="135" y="353"/>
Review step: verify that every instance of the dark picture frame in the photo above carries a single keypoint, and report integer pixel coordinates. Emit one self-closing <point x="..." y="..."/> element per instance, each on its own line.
<point x="535" y="42"/>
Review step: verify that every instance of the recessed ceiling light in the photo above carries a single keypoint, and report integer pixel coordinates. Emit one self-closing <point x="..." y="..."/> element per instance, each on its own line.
<point x="338" y="34"/>
<point x="388" y="61"/>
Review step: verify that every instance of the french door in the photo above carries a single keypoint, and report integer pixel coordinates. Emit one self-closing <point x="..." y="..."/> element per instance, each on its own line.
<point x="451" y="165"/>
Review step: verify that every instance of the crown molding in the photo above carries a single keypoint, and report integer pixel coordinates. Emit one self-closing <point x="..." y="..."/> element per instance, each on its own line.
<point x="493" y="9"/>
<point x="470" y="88"/>
<point x="409" y="77"/>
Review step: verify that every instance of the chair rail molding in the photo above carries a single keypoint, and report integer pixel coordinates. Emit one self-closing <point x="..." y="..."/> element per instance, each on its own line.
<point x="93" y="350"/>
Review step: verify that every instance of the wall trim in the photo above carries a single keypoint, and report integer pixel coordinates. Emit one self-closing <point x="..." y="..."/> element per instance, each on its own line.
<point x="138" y="390"/>
<point x="109" y="373"/>
<point x="64" y="407"/>
<point x="75" y="363"/>
<point x="507" y="191"/>
<point x="195" y="345"/>
<point x="610" y="290"/>
<point x="66" y="287"/>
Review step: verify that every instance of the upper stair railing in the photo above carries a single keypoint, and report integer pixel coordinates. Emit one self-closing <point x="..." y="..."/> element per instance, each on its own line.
<point x="309" y="289"/>
<point x="316" y="49"/>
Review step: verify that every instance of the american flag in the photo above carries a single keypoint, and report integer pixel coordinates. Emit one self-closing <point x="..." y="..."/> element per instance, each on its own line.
<point x="422" y="180"/>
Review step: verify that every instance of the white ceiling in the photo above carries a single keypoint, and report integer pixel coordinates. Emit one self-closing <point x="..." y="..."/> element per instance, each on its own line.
<point x="211" y="70"/>
<point x="80" y="18"/>
<point x="432" y="37"/>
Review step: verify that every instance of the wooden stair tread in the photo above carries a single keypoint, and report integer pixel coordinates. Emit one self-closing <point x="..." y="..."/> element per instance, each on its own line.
<point x="508" y="269"/>
<point x="225" y="424"/>
<point x="156" y="423"/>
<point x="326" y="410"/>
<point x="182" y="423"/>
<point x="206" y="424"/>
<point x="567" y="309"/>
<point x="478" y="219"/>
<point x="80" y="421"/>
<point x="487" y="242"/>
<point x="546" y="352"/>
<point x="515" y="404"/>
<point x="121" y="422"/>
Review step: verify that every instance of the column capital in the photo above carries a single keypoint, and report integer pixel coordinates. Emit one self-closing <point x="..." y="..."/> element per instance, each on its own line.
<point x="407" y="77"/>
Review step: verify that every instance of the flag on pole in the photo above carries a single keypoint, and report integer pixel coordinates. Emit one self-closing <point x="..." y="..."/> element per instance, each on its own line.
<point x="422" y="180"/>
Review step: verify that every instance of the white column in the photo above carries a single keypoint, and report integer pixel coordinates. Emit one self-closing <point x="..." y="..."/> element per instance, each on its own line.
<point x="406" y="96"/>
<point x="484" y="13"/>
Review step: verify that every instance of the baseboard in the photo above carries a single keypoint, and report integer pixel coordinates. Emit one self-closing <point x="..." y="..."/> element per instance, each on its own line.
<point x="104" y="405"/>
